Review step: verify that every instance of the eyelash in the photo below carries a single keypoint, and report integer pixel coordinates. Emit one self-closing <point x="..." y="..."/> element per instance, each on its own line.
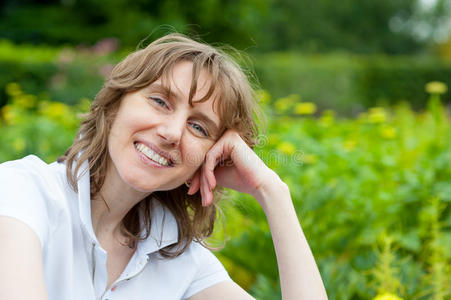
<point x="201" y="129"/>
<point x="162" y="103"/>
<point x="159" y="101"/>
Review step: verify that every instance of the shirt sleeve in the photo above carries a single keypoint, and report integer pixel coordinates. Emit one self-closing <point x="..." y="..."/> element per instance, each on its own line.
<point x="22" y="199"/>
<point x="210" y="271"/>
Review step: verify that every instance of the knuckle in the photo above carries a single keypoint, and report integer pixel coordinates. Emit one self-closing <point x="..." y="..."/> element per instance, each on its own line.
<point x="209" y="157"/>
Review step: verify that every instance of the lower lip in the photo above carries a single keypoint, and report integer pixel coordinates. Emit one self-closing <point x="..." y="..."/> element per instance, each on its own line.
<point x="148" y="161"/>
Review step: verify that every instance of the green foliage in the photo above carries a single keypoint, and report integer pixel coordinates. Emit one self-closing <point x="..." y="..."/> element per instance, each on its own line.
<point x="345" y="83"/>
<point x="322" y="25"/>
<point x="386" y="275"/>
<point x="328" y="80"/>
<point x="437" y="246"/>
<point x="348" y="83"/>
<point x="61" y="73"/>
<point x="87" y="21"/>
<point x="387" y="80"/>
<point x="33" y="125"/>
<point x="365" y="26"/>
<point x="351" y="181"/>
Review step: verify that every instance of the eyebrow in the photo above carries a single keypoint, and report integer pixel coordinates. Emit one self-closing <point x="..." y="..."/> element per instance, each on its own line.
<point x="210" y="123"/>
<point x="198" y="114"/>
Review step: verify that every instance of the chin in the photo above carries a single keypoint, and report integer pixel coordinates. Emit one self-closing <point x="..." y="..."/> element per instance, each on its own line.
<point x="149" y="184"/>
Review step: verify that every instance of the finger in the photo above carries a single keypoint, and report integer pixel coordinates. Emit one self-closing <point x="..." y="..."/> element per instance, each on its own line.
<point x="212" y="158"/>
<point x="204" y="189"/>
<point x="208" y="194"/>
<point x="195" y="183"/>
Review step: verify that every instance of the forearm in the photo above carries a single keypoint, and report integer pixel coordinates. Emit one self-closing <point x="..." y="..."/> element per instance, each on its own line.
<point x="299" y="275"/>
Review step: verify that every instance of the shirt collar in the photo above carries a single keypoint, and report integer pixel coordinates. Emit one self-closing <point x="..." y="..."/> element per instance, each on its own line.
<point x="164" y="229"/>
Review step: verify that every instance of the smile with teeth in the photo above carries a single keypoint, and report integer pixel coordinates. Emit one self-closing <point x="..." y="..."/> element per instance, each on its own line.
<point x="152" y="154"/>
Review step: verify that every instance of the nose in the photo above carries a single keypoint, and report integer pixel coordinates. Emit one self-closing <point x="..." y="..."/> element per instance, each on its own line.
<point x="171" y="129"/>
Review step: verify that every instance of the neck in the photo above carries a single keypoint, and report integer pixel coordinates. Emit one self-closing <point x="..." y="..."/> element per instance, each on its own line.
<point x="110" y="205"/>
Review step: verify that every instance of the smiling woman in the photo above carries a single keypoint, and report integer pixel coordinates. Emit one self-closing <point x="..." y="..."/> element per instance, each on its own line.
<point x="115" y="217"/>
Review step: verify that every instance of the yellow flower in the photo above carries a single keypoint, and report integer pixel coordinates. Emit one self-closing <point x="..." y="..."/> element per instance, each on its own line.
<point x="281" y="105"/>
<point x="13" y="89"/>
<point x="55" y="110"/>
<point x="388" y="132"/>
<point x="327" y="118"/>
<point x="377" y="115"/>
<point x="310" y="159"/>
<point x="286" y="147"/>
<point x="286" y="103"/>
<point x="9" y="114"/>
<point x="387" y="296"/>
<point x="436" y="87"/>
<point x="349" y="145"/>
<point x="273" y="139"/>
<point x="305" y="108"/>
<point x="263" y="96"/>
<point x="25" y="101"/>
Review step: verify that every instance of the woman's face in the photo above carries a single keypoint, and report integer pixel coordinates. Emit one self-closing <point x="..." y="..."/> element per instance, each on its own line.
<point x="157" y="140"/>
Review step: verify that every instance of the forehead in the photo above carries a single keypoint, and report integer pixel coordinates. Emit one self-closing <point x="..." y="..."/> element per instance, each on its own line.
<point x="177" y="83"/>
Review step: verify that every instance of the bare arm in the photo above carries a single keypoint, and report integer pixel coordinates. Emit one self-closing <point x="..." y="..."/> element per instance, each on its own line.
<point x="298" y="272"/>
<point x="21" y="266"/>
<point x="226" y="290"/>
<point x="299" y="275"/>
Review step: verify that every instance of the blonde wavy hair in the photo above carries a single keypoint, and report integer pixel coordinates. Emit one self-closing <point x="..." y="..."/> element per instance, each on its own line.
<point x="237" y="108"/>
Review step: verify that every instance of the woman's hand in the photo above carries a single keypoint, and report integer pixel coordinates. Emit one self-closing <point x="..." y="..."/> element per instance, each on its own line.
<point x="239" y="168"/>
<point x="231" y="163"/>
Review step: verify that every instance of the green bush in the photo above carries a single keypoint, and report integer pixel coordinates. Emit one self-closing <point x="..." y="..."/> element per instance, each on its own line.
<point x="61" y="73"/>
<point x="36" y="125"/>
<point x="349" y="83"/>
<point x="390" y="79"/>
<point x="372" y="193"/>
<point x="380" y="181"/>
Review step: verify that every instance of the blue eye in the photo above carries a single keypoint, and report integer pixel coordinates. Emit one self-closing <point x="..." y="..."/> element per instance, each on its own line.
<point x="199" y="128"/>
<point x="159" y="101"/>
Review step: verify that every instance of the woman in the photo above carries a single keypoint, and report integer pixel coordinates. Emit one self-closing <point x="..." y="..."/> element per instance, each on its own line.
<point x="122" y="215"/>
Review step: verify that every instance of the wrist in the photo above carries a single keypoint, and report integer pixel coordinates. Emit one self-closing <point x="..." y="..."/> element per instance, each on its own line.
<point x="272" y="191"/>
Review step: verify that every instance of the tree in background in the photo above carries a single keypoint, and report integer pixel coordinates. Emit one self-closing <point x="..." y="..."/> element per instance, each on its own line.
<point x="364" y="26"/>
<point x="87" y="21"/>
<point x="360" y="26"/>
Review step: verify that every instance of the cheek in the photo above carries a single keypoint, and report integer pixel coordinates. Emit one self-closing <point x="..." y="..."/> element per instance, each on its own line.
<point x="195" y="152"/>
<point x="194" y="158"/>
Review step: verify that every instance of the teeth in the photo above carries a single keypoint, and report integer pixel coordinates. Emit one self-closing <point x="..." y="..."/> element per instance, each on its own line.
<point x="152" y="154"/>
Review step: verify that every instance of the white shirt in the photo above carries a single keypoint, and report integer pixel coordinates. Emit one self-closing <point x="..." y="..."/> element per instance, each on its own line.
<point x="75" y="263"/>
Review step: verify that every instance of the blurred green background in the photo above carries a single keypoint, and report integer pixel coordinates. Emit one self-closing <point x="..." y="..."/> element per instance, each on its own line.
<point x="356" y="94"/>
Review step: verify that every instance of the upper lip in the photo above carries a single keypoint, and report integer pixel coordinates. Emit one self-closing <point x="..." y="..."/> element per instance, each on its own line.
<point x="166" y="155"/>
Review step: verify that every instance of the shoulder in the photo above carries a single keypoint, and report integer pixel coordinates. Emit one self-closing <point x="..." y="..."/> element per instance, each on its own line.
<point x="29" y="189"/>
<point x="201" y="255"/>
<point x="30" y="166"/>
<point x="29" y="172"/>
<point x="18" y="176"/>
<point x="23" y="164"/>
<point x="208" y="269"/>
